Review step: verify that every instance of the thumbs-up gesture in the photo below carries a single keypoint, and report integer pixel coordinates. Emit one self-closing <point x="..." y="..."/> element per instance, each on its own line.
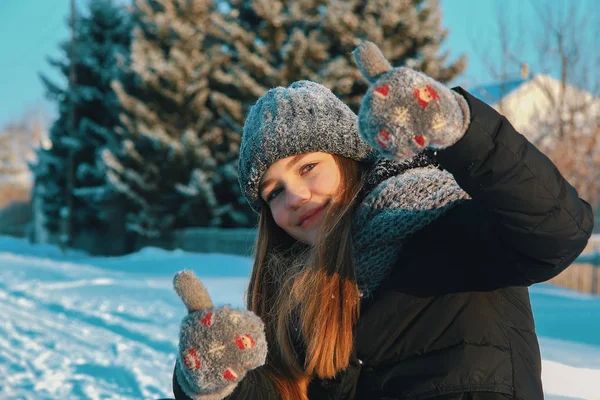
<point x="217" y="345"/>
<point x="405" y="111"/>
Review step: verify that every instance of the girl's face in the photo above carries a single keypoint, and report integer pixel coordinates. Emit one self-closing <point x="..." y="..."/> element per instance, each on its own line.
<point x="299" y="190"/>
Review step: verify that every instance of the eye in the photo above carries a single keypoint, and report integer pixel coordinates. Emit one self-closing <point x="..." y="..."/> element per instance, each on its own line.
<point x="273" y="194"/>
<point x="307" y="168"/>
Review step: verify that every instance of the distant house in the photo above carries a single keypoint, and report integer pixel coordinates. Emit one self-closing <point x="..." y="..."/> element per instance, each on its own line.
<point x="533" y="102"/>
<point x="494" y="93"/>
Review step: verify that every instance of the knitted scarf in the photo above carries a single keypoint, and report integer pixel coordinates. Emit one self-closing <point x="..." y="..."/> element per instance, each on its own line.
<point x="397" y="201"/>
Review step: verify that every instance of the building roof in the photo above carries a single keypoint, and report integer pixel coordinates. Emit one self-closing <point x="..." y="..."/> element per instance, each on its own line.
<point x="494" y="92"/>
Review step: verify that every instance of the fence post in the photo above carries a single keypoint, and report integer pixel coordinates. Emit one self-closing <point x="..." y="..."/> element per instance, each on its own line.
<point x="595" y="263"/>
<point x="595" y="280"/>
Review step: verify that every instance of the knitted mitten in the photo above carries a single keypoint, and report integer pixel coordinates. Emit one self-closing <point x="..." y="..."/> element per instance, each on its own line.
<point x="405" y="111"/>
<point x="217" y="346"/>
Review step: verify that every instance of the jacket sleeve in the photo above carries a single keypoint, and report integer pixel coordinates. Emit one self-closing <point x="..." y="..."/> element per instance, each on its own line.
<point x="539" y="222"/>
<point x="255" y="386"/>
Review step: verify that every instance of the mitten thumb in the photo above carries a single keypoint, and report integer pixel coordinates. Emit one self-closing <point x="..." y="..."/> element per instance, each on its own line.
<point x="191" y="291"/>
<point x="370" y="60"/>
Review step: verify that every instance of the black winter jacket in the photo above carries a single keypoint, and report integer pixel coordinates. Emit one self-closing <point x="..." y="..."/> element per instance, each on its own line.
<point x="455" y="315"/>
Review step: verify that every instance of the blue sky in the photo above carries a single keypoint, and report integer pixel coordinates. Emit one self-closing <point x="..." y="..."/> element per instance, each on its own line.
<point x="31" y="30"/>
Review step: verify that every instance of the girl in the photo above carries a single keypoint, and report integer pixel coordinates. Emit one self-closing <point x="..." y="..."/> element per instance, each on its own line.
<point x="394" y="250"/>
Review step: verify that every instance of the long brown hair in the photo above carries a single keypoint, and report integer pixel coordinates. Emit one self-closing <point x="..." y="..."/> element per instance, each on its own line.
<point x="311" y="288"/>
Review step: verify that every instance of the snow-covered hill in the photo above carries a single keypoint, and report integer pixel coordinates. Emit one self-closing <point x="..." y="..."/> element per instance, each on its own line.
<point x="79" y="327"/>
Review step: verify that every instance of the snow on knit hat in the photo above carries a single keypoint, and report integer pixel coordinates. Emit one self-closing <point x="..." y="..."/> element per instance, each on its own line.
<point x="304" y="117"/>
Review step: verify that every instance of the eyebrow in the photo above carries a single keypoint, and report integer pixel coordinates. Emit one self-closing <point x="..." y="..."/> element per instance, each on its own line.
<point x="289" y="165"/>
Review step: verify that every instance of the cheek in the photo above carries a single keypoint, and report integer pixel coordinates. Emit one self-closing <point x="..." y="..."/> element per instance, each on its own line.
<point x="328" y="184"/>
<point x="281" y="217"/>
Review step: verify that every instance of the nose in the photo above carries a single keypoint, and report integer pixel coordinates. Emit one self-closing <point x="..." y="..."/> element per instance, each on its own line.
<point x="296" y="195"/>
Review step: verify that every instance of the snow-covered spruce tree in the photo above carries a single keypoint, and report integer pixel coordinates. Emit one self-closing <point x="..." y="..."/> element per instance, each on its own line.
<point x="102" y="37"/>
<point x="275" y="42"/>
<point x="202" y="64"/>
<point x="177" y="162"/>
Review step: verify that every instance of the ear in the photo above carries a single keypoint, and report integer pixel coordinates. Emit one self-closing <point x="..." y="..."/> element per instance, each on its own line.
<point x="371" y="61"/>
<point x="191" y="291"/>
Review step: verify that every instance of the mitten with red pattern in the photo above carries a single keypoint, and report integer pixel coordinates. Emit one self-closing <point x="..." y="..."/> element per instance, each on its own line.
<point x="217" y="345"/>
<point x="405" y="111"/>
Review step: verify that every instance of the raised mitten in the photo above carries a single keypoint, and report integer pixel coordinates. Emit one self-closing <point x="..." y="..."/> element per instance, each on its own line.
<point x="217" y="346"/>
<point x="405" y="111"/>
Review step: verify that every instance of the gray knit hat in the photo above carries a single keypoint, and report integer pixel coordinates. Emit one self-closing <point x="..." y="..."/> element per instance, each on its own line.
<point x="301" y="118"/>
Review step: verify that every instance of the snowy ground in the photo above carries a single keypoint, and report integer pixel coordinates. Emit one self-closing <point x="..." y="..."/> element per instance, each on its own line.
<point x="77" y="327"/>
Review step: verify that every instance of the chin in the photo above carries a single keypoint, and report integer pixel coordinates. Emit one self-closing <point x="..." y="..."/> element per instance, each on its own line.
<point x="309" y="239"/>
<point x="313" y="238"/>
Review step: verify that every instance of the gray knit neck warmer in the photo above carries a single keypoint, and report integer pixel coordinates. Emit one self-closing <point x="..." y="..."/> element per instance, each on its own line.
<point x="398" y="206"/>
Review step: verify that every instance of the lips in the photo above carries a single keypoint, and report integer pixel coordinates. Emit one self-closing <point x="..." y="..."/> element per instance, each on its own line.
<point x="308" y="215"/>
